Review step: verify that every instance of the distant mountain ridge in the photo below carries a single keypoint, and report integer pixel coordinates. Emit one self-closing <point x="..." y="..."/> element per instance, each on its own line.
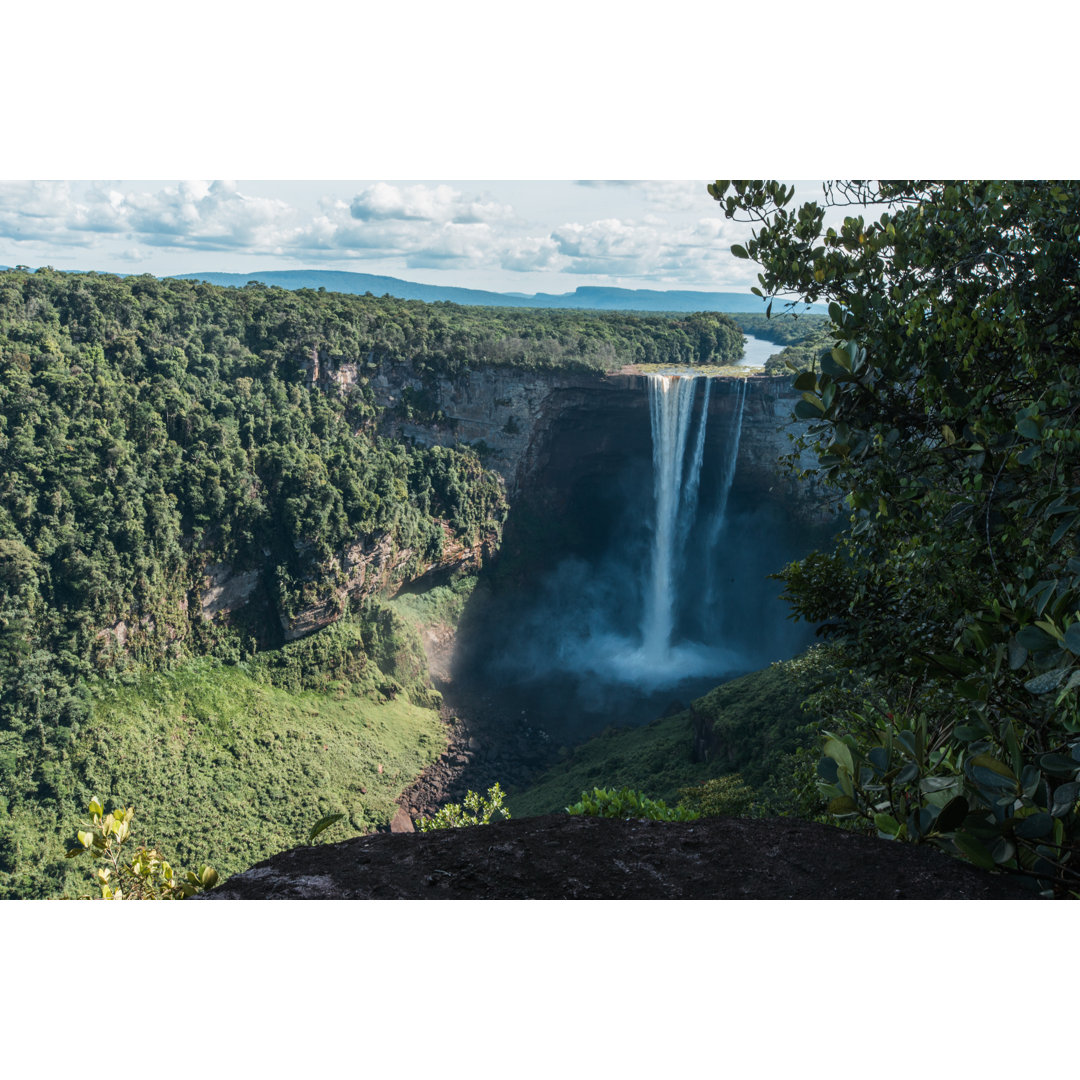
<point x="593" y="297"/>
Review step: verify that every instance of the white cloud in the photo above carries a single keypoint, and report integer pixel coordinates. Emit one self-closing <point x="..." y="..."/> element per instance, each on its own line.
<point x="441" y="204"/>
<point x="431" y="226"/>
<point x="669" y="195"/>
<point x="194" y="214"/>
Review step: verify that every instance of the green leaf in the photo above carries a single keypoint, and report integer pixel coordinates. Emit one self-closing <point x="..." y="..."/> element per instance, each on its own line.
<point x="1035" y="827"/>
<point x="1034" y="639"/>
<point x="322" y="824"/>
<point x="739" y="251"/>
<point x="95" y="807"/>
<point x="827" y="770"/>
<point x="908" y="773"/>
<point x="1017" y="654"/>
<point x="840" y="753"/>
<point x="805" y="411"/>
<point x="1058" y="764"/>
<point x="806" y="380"/>
<point x="1072" y="639"/>
<point x="992" y="763"/>
<point x="974" y="851"/>
<point x="842" y="805"/>
<point x="952" y="814"/>
<point x="992" y="781"/>
<point x="1064" y="799"/>
<point x="938" y="783"/>
<point x="887" y="824"/>
<point x="1047" y="681"/>
<point x="1003" y="850"/>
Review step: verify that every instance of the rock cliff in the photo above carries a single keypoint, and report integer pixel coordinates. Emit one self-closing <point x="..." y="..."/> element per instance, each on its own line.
<point x="549" y="433"/>
<point x="544" y="425"/>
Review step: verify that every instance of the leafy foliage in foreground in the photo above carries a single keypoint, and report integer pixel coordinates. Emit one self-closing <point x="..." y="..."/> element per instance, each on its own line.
<point x="147" y="876"/>
<point x="948" y="414"/>
<point x="627" y="804"/>
<point x="224" y="765"/>
<point x="475" y="809"/>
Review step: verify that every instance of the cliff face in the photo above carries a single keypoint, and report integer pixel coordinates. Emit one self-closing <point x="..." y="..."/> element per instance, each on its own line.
<point x="540" y="427"/>
<point x="552" y="435"/>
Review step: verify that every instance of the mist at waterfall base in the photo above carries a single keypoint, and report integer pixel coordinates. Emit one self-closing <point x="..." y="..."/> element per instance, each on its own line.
<point x="675" y="600"/>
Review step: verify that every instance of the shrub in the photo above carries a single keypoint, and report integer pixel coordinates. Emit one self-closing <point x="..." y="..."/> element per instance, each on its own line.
<point x="628" y="804"/>
<point x="147" y="876"/>
<point x="476" y="810"/>
<point x="724" y="796"/>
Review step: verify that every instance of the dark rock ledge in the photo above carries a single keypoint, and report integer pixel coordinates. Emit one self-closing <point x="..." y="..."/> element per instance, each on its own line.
<point x="575" y="858"/>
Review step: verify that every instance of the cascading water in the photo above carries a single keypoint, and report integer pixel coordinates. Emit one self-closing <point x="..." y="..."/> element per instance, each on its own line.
<point x="671" y="401"/>
<point x="676" y="486"/>
<point x="591" y="625"/>
<point x="719" y="514"/>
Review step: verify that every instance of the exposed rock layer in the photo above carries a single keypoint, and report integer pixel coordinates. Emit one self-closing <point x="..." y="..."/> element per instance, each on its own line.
<point x="575" y="858"/>
<point x="536" y="424"/>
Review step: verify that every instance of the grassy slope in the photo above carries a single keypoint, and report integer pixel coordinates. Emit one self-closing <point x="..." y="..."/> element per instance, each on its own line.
<point x="441" y="604"/>
<point x="756" y="720"/>
<point x="226" y="769"/>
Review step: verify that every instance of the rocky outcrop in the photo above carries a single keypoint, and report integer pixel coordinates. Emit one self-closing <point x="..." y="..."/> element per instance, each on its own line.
<point x="560" y="857"/>
<point x="527" y="423"/>
<point x="225" y="590"/>
<point x="365" y="569"/>
<point x="543" y="431"/>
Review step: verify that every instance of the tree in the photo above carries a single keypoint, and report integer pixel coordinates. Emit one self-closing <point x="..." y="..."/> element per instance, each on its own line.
<point x="948" y="415"/>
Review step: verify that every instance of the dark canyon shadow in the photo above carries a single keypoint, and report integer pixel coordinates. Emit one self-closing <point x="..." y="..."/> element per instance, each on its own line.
<point x="557" y="637"/>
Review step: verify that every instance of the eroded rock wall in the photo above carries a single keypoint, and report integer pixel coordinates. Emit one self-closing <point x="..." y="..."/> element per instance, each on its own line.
<point x="526" y="423"/>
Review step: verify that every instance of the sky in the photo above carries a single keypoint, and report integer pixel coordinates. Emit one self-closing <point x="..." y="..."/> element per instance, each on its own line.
<point x="507" y="236"/>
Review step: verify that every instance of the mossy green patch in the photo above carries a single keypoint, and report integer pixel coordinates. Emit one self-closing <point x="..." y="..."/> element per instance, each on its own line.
<point x="441" y="604"/>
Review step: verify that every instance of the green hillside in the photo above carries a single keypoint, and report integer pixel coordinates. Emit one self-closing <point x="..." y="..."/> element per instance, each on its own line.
<point x="748" y="726"/>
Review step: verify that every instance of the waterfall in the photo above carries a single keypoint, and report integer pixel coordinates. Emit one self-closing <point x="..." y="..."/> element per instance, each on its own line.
<point x="727" y="476"/>
<point x="676" y="486"/>
<point x="688" y="509"/>
<point x="587" y="632"/>
<point x="671" y="402"/>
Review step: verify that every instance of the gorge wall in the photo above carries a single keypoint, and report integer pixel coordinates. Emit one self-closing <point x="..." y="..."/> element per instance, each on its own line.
<point x="562" y="440"/>
<point x="553" y="635"/>
<point x="535" y="427"/>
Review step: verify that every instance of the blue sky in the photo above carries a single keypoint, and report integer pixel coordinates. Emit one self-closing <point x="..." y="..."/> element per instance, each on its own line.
<point x="523" y="236"/>
<point x="477" y="89"/>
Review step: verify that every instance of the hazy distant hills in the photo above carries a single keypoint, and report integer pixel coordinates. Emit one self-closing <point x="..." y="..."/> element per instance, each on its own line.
<point x="591" y="297"/>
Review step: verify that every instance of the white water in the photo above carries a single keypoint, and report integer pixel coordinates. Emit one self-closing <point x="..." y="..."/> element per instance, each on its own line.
<point x="671" y="401"/>
<point x="719" y="517"/>
<point x="590" y="625"/>
<point x="675" y="497"/>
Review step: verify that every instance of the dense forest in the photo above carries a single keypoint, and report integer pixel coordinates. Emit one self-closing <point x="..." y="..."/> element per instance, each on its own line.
<point x="152" y="432"/>
<point x="946" y="414"/>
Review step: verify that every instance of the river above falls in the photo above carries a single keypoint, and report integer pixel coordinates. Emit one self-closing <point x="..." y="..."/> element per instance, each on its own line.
<point x="757" y="351"/>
